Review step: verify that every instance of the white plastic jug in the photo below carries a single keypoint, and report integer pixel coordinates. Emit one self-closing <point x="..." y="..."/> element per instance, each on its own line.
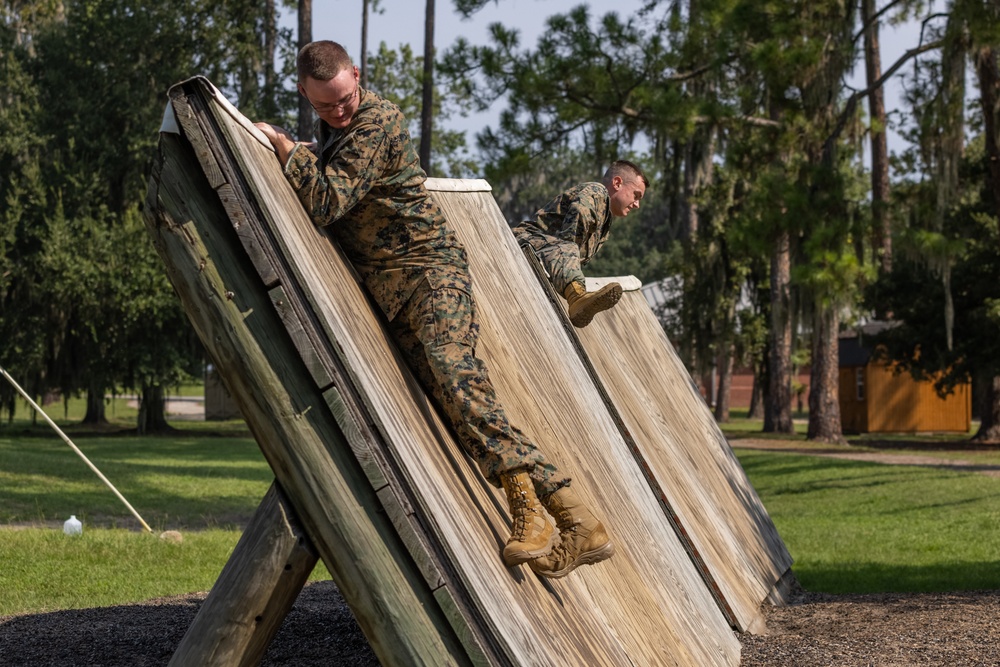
<point x="73" y="526"/>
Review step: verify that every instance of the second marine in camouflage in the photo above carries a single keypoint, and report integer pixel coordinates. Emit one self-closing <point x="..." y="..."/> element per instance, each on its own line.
<point x="570" y="229"/>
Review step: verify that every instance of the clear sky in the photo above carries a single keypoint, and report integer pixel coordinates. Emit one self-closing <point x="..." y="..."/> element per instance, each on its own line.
<point x="402" y="21"/>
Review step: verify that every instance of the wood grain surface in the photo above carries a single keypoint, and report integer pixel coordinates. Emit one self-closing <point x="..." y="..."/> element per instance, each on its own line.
<point x="688" y="456"/>
<point x="650" y="587"/>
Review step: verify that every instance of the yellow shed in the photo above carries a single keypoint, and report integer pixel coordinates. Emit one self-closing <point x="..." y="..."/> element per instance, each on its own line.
<point x="876" y="398"/>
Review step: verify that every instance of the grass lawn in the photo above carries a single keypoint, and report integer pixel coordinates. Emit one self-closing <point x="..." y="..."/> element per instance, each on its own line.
<point x="858" y="527"/>
<point x="855" y="527"/>
<point x="205" y="481"/>
<point x="44" y="570"/>
<point x="191" y="480"/>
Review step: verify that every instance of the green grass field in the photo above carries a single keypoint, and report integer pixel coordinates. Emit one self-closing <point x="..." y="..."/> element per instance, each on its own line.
<point x="850" y="526"/>
<point x="855" y="527"/>
<point x="205" y="480"/>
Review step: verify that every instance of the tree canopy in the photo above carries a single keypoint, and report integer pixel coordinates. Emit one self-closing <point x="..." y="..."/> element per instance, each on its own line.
<point x="762" y="212"/>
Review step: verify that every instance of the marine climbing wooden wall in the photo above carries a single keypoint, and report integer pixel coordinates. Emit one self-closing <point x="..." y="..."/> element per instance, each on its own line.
<point x="404" y="522"/>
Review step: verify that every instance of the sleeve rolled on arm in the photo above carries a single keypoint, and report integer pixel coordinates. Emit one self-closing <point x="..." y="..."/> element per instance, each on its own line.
<point x="330" y="191"/>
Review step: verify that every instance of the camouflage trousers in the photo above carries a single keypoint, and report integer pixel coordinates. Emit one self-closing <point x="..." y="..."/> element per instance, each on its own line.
<point x="436" y="331"/>
<point x="560" y="258"/>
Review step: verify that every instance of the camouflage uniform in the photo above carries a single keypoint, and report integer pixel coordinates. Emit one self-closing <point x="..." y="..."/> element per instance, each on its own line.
<point x="367" y="187"/>
<point x="568" y="232"/>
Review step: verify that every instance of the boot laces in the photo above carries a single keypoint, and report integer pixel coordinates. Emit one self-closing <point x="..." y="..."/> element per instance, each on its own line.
<point x="521" y="509"/>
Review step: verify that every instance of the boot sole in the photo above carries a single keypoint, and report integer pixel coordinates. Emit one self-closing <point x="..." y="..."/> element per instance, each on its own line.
<point x="604" y="298"/>
<point x="591" y="557"/>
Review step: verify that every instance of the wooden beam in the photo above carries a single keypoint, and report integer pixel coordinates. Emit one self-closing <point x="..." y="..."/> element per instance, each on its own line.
<point x="287" y="413"/>
<point x="255" y="591"/>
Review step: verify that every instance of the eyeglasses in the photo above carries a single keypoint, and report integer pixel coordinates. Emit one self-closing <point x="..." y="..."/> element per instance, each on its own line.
<point x="341" y="105"/>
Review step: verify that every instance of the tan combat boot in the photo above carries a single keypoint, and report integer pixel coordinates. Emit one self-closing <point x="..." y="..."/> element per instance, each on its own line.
<point x="584" y="540"/>
<point x="583" y="305"/>
<point x="531" y="534"/>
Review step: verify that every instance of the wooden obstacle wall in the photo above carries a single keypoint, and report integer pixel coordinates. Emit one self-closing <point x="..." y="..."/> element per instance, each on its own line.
<point x="624" y="361"/>
<point x="404" y="522"/>
<point x="690" y="463"/>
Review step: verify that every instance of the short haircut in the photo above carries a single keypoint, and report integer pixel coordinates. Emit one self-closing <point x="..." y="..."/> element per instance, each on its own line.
<point x="322" y="60"/>
<point x="627" y="170"/>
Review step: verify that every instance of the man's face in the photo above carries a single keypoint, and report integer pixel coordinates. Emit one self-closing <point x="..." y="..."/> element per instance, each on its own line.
<point x="625" y="195"/>
<point x="336" y="100"/>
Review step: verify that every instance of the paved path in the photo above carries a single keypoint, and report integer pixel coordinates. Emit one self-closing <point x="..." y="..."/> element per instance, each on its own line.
<point x="187" y="408"/>
<point x="871" y="457"/>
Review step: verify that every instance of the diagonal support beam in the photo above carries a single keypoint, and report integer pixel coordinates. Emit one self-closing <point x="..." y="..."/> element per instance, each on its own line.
<point x="254" y="592"/>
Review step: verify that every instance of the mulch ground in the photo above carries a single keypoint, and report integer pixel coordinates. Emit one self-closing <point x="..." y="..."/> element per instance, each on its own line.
<point x="940" y="629"/>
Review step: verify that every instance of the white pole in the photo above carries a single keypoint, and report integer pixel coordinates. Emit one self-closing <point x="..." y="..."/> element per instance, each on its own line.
<point x="75" y="448"/>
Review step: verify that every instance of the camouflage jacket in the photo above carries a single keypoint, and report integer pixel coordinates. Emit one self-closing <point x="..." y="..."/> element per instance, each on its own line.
<point x="366" y="186"/>
<point x="581" y="215"/>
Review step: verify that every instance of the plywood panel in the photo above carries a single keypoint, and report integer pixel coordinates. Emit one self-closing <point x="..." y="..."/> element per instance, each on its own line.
<point x="688" y="457"/>
<point x="647" y="606"/>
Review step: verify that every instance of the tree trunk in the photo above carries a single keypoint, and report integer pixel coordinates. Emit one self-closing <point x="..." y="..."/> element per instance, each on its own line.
<point x="757" y="398"/>
<point x="725" y="366"/>
<point x="364" y="42"/>
<point x="950" y="137"/>
<point x="698" y="168"/>
<point x="306" y="118"/>
<point x="95" y="407"/>
<point x="269" y="101"/>
<point x="989" y="88"/>
<point x="152" y="411"/>
<point x="778" y="415"/>
<point x="427" y="108"/>
<point x="881" y="233"/>
<point x="824" y="378"/>
<point x="989" y="411"/>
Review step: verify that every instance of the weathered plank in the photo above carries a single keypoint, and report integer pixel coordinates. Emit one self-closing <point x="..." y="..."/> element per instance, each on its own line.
<point x="342" y="413"/>
<point x="266" y="200"/>
<point x="654" y="481"/>
<point x="688" y="457"/>
<point x="301" y="334"/>
<point x="255" y="591"/>
<point x="688" y="464"/>
<point x="550" y="394"/>
<point x="289" y="417"/>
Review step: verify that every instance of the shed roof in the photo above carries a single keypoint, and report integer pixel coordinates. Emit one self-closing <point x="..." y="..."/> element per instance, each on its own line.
<point x="855" y="347"/>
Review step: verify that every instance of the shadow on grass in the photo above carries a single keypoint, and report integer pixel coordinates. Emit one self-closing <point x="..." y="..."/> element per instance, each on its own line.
<point x="182" y="482"/>
<point x="76" y="430"/>
<point x="841" y="578"/>
<point x="959" y="444"/>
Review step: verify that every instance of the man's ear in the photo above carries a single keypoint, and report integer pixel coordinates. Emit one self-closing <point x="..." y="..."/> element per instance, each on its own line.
<point x="616" y="183"/>
<point x="302" y="91"/>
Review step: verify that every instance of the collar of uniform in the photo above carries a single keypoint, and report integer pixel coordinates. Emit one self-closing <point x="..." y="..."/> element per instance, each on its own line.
<point x="328" y="135"/>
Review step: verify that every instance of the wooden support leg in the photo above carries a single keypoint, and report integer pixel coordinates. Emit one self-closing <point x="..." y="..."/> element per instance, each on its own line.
<point x="254" y="592"/>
